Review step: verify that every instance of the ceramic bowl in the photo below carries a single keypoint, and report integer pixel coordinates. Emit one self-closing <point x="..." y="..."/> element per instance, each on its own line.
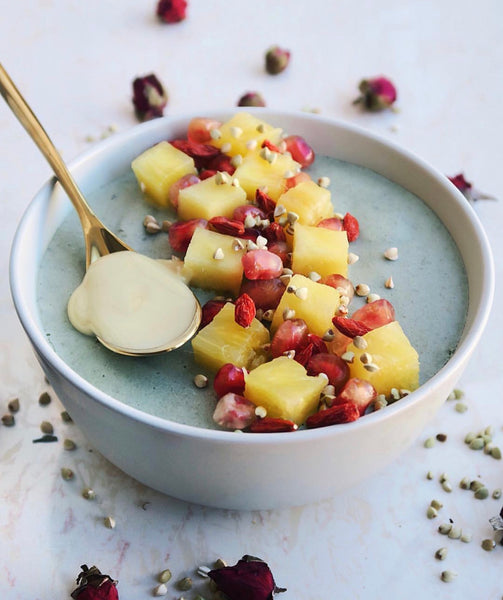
<point x="251" y="471"/>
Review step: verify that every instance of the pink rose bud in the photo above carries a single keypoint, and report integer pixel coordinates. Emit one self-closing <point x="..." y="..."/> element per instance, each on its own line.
<point x="377" y="93"/>
<point x="171" y="11"/>
<point x="467" y="189"/>
<point x="276" y="60"/>
<point x="149" y="97"/>
<point x="251" y="99"/>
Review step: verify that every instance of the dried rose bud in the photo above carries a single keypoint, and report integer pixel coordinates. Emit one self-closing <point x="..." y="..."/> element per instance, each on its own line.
<point x="251" y="99"/>
<point x="467" y="189"/>
<point x="249" y="579"/>
<point x="276" y="60"/>
<point x="93" y="585"/>
<point x="171" y="11"/>
<point x="149" y="97"/>
<point x="377" y="93"/>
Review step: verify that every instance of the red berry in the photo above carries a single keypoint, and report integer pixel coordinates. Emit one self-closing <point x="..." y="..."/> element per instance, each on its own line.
<point x="199" y="129"/>
<point x="359" y="392"/>
<point x="333" y="366"/>
<point x="274" y="232"/>
<point x="350" y="327"/>
<point x="296" y="179"/>
<point x="181" y="232"/>
<point x="375" y="314"/>
<point x="272" y="425"/>
<point x="351" y="227"/>
<point x="336" y="414"/>
<point x="241" y="212"/>
<point x="266" y="293"/>
<point x="341" y="283"/>
<point x="182" y="183"/>
<point x="300" y="150"/>
<point x="171" y="11"/>
<point x="209" y="310"/>
<point x="261" y="264"/>
<point x="290" y="335"/>
<point x="331" y="223"/>
<point x="282" y="250"/>
<point x="229" y="378"/>
<point x="221" y="163"/>
<point x="244" y="310"/>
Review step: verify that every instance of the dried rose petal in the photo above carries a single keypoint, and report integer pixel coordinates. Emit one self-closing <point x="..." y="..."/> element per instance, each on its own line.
<point x="171" y="11"/>
<point x="251" y="99"/>
<point x="249" y="579"/>
<point x="377" y="93"/>
<point x="276" y="60"/>
<point x="467" y="189"/>
<point x="93" y="585"/>
<point x="149" y="97"/>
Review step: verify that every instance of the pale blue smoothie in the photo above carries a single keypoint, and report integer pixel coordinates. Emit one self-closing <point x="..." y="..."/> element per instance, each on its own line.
<point x="430" y="293"/>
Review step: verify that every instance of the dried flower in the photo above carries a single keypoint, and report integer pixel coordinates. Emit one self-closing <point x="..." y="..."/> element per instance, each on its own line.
<point x="149" y="97"/>
<point x="93" y="585"/>
<point x="467" y="189"/>
<point x="251" y="99"/>
<point x="171" y="11"/>
<point x="249" y="579"/>
<point x="276" y="60"/>
<point x="377" y="93"/>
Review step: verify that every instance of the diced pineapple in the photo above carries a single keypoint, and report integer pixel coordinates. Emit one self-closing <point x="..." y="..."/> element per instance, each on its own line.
<point x="317" y="308"/>
<point x="318" y="249"/>
<point x="258" y="172"/>
<point x="224" y="341"/>
<point x="210" y="198"/>
<point x="243" y="133"/>
<point x="158" y="168"/>
<point x="283" y="387"/>
<point x="308" y="200"/>
<point x="213" y="262"/>
<point x="397" y="362"/>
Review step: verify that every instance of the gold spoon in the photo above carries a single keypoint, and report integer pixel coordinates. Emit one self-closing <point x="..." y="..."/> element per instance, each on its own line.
<point x="99" y="241"/>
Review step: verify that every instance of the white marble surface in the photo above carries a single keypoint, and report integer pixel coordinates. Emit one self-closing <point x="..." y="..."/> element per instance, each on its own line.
<point x="75" y="62"/>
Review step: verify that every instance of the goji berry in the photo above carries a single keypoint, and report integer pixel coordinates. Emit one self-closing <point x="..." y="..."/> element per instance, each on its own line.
<point x="227" y="226"/>
<point x="339" y="413"/>
<point x="272" y="425"/>
<point x="350" y="327"/>
<point x="244" y="310"/>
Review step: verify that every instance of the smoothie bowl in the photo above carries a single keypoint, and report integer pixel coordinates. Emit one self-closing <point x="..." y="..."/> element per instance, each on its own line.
<point x="420" y="248"/>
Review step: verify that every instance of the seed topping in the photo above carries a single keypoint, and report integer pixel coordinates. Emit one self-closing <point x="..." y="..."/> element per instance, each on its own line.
<point x="218" y="254"/>
<point x="391" y="253"/>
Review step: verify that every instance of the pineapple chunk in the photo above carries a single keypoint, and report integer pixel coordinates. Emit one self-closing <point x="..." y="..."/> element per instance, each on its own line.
<point x="212" y="262"/>
<point x="243" y="133"/>
<point x="208" y="199"/>
<point x="256" y="171"/>
<point x="392" y="353"/>
<point x="224" y="341"/>
<point x="283" y="387"/>
<point x="310" y="201"/>
<point x="319" y="249"/>
<point x="158" y="168"/>
<point x="317" y="309"/>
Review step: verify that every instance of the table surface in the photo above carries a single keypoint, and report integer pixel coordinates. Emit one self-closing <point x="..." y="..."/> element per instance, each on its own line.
<point x="75" y="62"/>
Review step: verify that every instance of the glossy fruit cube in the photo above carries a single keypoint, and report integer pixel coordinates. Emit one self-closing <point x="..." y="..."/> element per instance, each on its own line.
<point x="224" y="341"/>
<point x="213" y="262"/>
<point x="316" y="305"/>
<point x="158" y="168"/>
<point x="294" y="396"/>
<point x="318" y="249"/>
<point x="208" y="199"/>
<point x="243" y="133"/>
<point x="309" y="201"/>
<point x="397" y="362"/>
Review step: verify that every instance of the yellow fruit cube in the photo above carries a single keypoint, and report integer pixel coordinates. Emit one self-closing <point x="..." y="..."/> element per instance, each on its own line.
<point x="224" y="341"/>
<point x="243" y="133"/>
<point x="158" y="168"/>
<point x="314" y="302"/>
<point x="213" y="262"/>
<point x="318" y="249"/>
<point x="266" y="170"/>
<point x="308" y="200"/>
<point x="396" y="361"/>
<point x="212" y="197"/>
<point x="283" y="387"/>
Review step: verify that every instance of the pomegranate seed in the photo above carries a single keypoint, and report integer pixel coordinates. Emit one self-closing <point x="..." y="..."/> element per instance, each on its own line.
<point x="331" y="223"/>
<point x="181" y="232"/>
<point x="199" y="129"/>
<point x="375" y="314"/>
<point x="282" y="250"/>
<point x="304" y="355"/>
<point x="341" y="283"/>
<point x="234" y="411"/>
<point x="318" y="344"/>
<point x="296" y="179"/>
<point x="209" y="310"/>
<point x="351" y="227"/>
<point x="274" y="233"/>
<point x="350" y="327"/>
<point x="241" y="212"/>
<point x="181" y="184"/>
<point x="244" y="310"/>
<point x="221" y="163"/>
<point x="261" y="264"/>
<point x="272" y="425"/>
<point x="229" y="379"/>
<point x="333" y="366"/>
<point x="290" y="335"/>
<point x="339" y="413"/>
<point x="266" y="293"/>
<point x="300" y="150"/>
<point x="359" y="392"/>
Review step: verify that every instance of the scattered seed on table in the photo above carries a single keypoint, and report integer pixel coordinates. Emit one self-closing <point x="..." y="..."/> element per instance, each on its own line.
<point x="109" y="522"/>
<point x="69" y="444"/>
<point x="488" y="545"/>
<point x="67" y="474"/>
<point x="65" y="417"/>
<point x="446" y="486"/>
<point x="482" y="493"/>
<point x="461" y="407"/>
<point x="184" y="584"/>
<point x="429" y="442"/>
<point x="431" y="512"/>
<point x="476" y="444"/>
<point x="436" y="504"/>
<point x="441" y="554"/>
<point x="13" y="405"/>
<point x="441" y="437"/>
<point x="469" y="437"/>
<point x="160" y="590"/>
<point x="454" y="533"/>
<point x="466" y="537"/>
<point x="496" y="453"/>
<point x="46" y="427"/>
<point x="476" y="485"/>
<point x="164" y="576"/>
<point x="429" y="475"/>
<point x="8" y="420"/>
<point x="203" y="571"/>
<point x="448" y="576"/>
<point x="497" y="493"/>
<point x="444" y="528"/>
<point x="219" y="563"/>
<point x="44" y="399"/>
<point x="464" y="484"/>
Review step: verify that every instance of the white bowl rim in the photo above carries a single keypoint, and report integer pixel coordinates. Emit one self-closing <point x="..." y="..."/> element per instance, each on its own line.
<point x="42" y="346"/>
